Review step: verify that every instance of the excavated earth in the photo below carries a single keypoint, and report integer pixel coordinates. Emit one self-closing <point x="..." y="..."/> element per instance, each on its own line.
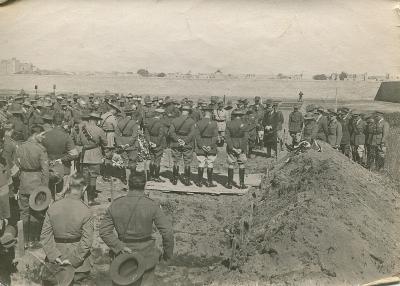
<point x="318" y="219"/>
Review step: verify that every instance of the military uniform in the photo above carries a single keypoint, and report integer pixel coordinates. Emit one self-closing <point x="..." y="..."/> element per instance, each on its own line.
<point x="59" y="146"/>
<point x="345" y="142"/>
<point x="358" y="139"/>
<point x="334" y="133"/>
<point x="109" y="124"/>
<point x="182" y="128"/>
<point x="377" y="143"/>
<point x="132" y="217"/>
<point x="221" y="117"/>
<point x="296" y="123"/>
<point x="271" y="123"/>
<point x="322" y="122"/>
<point x="68" y="232"/>
<point x="310" y="129"/>
<point x="236" y="146"/>
<point x="91" y="138"/>
<point x="32" y="160"/>
<point x="206" y="149"/>
<point x="251" y="120"/>
<point x="155" y="134"/>
<point x="127" y="134"/>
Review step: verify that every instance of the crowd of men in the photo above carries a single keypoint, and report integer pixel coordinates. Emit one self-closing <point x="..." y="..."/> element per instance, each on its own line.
<point x="57" y="147"/>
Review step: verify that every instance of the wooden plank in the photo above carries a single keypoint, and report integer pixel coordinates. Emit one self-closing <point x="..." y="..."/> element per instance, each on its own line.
<point x="21" y="241"/>
<point x="385" y="281"/>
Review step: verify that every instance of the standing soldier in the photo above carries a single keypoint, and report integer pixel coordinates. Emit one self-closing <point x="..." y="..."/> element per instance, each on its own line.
<point x="32" y="160"/>
<point x="253" y="127"/>
<point x="296" y="123"/>
<point x="17" y="121"/>
<point x="92" y="139"/>
<point x="358" y="138"/>
<point x="109" y="123"/>
<point x="334" y="130"/>
<point x="344" y="120"/>
<point x="126" y="137"/>
<point x="279" y="120"/>
<point x="148" y="110"/>
<point x="155" y="134"/>
<point x="310" y="129"/>
<point x="220" y="115"/>
<point x="378" y="141"/>
<point x="132" y="217"/>
<point x="67" y="233"/>
<point x="236" y="147"/>
<point x="322" y="122"/>
<point x="206" y="146"/>
<point x="270" y="123"/>
<point x="182" y="133"/>
<point x="369" y="132"/>
<point x="61" y="152"/>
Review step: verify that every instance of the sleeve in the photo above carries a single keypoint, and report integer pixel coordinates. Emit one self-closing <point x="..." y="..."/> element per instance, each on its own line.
<point x="339" y="134"/>
<point x="72" y="153"/>
<point x="172" y="132"/>
<point x="103" y="138"/>
<point x="134" y="137"/>
<point x="47" y="240"/>
<point x="107" y="234"/>
<point x="228" y="139"/>
<point x="215" y="133"/>
<point x="164" y="226"/>
<point x="80" y="253"/>
<point x="44" y="164"/>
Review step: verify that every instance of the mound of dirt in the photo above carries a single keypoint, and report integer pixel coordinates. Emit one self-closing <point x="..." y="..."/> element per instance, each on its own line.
<point x="322" y="220"/>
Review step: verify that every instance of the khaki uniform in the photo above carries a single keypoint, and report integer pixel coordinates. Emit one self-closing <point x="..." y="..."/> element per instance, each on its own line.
<point x="334" y="133"/>
<point x="322" y="122"/>
<point x="132" y="217"/>
<point x="126" y="132"/>
<point x="310" y="130"/>
<point x="182" y="128"/>
<point x="32" y="160"/>
<point x="206" y="136"/>
<point x="377" y="143"/>
<point x="67" y="232"/>
<point x="236" y="137"/>
<point x="156" y="132"/>
<point x="358" y="140"/>
<point x="109" y="124"/>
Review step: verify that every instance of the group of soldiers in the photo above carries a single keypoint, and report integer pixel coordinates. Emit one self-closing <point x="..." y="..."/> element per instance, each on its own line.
<point x="57" y="146"/>
<point x="360" y="136"/>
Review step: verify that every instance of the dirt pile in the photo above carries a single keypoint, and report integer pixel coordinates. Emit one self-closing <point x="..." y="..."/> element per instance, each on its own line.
<point x="322" y="220"/>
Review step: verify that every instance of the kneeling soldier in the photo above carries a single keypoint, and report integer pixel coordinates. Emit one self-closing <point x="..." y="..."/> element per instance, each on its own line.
<point x="132" y="218"/>
<point x="206" y="146"/>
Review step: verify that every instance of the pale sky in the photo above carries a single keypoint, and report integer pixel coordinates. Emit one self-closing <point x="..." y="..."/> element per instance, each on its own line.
<point x="242" y="36"/>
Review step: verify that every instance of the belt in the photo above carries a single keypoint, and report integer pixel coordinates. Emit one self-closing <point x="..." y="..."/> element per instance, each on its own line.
<point x="132" y="240"/>
<point x="30" y="170"/>
<point x="67" y="240"/>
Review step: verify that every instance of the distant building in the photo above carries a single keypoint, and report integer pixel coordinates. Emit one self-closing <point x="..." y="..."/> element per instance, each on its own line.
<point x="14" y="66"/>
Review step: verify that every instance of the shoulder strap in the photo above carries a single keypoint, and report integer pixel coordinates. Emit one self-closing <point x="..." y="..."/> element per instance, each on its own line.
<point x="126" y="125"/>
<point x="104" y="120"/>
<point x="180" y="126"/>
<point x="204" y="129"/>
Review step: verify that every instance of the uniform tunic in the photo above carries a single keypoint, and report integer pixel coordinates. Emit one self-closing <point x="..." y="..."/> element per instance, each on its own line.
<point x="68" y="231"/>
<point x="334" y="133"/>
<point x="156" y="132"/>
<point x="236" y="135"/>
<point x="322" y="122"/>
<point x="296" y="122"/>
<point x="206" y="135"/>
<point x="126" y="132"/>
<point x="109" y="124"/>
<point x="182" y="128"/>
<point x="132" y="216"/>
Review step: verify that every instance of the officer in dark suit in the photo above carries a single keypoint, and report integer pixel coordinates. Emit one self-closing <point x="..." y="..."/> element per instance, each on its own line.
<point x="155" y="133"/>
<point x="132" y="217"/>
<point x="236" y="146"/>
<point x="206" y="146"/>
<point x="182" y="135"/>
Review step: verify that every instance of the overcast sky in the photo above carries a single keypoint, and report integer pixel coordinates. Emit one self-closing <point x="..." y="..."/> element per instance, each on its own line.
<point x="246" y="36"/>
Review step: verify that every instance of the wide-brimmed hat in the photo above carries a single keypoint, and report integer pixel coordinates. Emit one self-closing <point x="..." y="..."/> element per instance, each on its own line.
<point x="117" y="108"/>
<point x="40" y="198"/>
<point x="56" y="274"/>
<point x="127" y="268"/>
<point x="269" y="102"/>
<point x="8" y="239"/>
<point x="94" y="115"/>
<point x="128" y="110"/>
<point x="208" y="107"/>
<point x="159" y="110"/>
<point x="15" y="109"/>
<point x="238" y="112"/>
<point x="309" y="115"/>
<point x="186" y="107"/>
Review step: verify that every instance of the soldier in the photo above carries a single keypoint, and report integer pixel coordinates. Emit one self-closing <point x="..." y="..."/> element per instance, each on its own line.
<point x="92" y="139"/>
<point x="206" y="146"/>
<point x="182" y="135"/>
<point x="126" y="137"/>
<point x="296" y="123"/>
<point x="322" y="122"/>
<point x="253" y="126"/>
<point x="378" y="141"/>
<point x="236" y="147"/>
<point x="67" y="233"/>
<point x="109" y="123"/>
<point x="132" y="217"/>
<point x="344" y="119"/>
<point x="334" y="130"/>
<point x="32" y="160"/>
<point x="155" y="134"/>
<point x="17" y="121"/>
<point x="279" y="119"/>
<point x="196" y="113"/>
<point x="310" y="129"/>
<point x="4" y="115"/>
<point x="148" y="110"/>
<point x="220" y="115"/>
<point x="358" y="138"/>
<point x="271" y="123"/>
<point x="61" y="152"/>
<point x="369" y="132"/>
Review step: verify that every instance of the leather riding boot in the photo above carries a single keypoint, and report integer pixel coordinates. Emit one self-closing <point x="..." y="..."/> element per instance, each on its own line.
<point x="200" y="172"/>
<point x="210" y="178"/>
<point x="241" y="179"/>
<point x="230" y="179"/>
<point x="157" y="174"/>
<point x="187" y="176"/>
<point x="175" y="174"/>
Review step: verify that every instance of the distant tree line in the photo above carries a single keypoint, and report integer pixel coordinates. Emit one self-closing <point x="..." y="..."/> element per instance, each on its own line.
<point x="341" y="76"/>
<point x="146" y="73"/>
